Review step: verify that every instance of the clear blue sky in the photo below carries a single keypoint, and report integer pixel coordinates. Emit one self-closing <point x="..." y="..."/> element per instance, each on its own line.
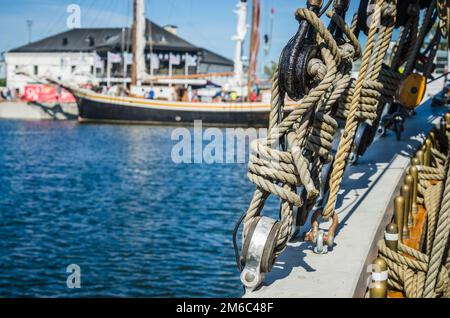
<point x="205" y="23"/>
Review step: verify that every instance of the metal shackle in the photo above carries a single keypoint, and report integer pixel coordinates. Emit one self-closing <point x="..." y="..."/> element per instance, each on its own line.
<point x="320" y="247"/>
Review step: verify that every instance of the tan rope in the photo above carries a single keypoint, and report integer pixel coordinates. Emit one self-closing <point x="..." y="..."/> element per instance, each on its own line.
<point x="351" y="124"/>
<point x="292" y="168"/>
<point x="440" y="243"/>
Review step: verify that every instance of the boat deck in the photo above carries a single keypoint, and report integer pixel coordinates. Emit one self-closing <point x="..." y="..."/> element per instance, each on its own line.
<point x="364" y="208"/>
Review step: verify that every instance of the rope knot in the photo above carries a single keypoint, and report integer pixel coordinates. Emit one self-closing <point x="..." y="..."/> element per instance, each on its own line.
<point x="317" y="70"/>
<point x="267" y="168"/>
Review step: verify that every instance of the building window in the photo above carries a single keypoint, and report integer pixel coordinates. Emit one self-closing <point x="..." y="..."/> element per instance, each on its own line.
<point x="36" y="70"/>
<point x="73" y="68"/>
<point x="65" y="41"/>
<point x="92" y="69"/>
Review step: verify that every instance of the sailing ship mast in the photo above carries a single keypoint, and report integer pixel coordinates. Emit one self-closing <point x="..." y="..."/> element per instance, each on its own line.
<point x="254" y="44"/>
<point x="241" y="33"/>
<point x="138" y="43"/>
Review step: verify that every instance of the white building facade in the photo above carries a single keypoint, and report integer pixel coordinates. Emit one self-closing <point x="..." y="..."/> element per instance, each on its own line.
<point x="66" y="66"/>
<point x="101" y="55"/>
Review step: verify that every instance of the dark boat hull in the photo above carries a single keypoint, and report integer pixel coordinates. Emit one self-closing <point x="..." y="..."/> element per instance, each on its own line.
<point x="94" y="110"/>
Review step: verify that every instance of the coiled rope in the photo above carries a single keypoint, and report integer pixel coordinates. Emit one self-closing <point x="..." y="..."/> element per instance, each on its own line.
<point x="307" y="131"/>
<point x="308" y="126"/>
<point x="420" y="274"/>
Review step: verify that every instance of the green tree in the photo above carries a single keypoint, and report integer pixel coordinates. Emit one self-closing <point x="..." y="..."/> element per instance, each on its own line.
<point x="270" y="69"/>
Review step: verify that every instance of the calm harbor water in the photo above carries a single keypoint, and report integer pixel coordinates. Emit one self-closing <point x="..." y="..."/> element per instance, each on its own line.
<point x="109" y="199"/>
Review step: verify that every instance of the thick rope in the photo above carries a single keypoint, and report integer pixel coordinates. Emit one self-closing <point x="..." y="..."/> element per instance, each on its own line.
<point x="420" y="274"/>
<point x="302" y="128"/>
<point x="440" y="243"/>
<point x="352" y="122"/>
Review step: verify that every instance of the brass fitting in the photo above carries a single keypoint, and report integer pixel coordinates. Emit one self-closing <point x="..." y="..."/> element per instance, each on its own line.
<point x="391" y="236"/>
<point x="409" y="181"/>
<point x="378" y="287"/>
<point x="405" y="193"/>
<point x="420" y="155"/>
<point x="433" y="139"/>
<point x="399" y="208"/>
<point x="415" y="175"/>
<point x="415" y="161"/>
<point x="447" y="121"/>
<point x="427" y="156"/>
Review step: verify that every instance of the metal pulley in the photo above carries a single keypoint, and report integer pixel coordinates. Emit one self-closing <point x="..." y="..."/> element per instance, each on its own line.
<point x="293" y="75"/>
<point x="257" y="251"/>
<point x="412" y="90"/>
<point x="361" y="142"/>
<point x="410" y="7"/>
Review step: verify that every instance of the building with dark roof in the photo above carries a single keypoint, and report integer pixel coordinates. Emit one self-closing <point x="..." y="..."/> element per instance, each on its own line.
<point x="82" y="55"/>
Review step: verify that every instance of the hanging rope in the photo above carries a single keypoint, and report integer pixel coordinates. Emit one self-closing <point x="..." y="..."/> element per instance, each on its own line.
<point x="289" y="162"/>
<point x="365" y="95"/>
<point x="308" y="126"/>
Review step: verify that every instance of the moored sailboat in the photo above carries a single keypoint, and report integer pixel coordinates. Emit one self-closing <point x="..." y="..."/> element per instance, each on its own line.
<point x="133" y="107"/>
<point x="94" y="107"/>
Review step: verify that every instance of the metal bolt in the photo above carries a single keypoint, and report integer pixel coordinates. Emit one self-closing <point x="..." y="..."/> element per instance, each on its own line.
<point x="405" y="192"/>
<point x="249" y="277"/>
<point x="378" y="287"/>
<point x="399" y="208"/>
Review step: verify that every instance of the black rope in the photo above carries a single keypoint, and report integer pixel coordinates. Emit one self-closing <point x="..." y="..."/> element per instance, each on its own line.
<point x="439" y="77"/>
<point x="324" y="9"/>
<point x="236" y="249"/>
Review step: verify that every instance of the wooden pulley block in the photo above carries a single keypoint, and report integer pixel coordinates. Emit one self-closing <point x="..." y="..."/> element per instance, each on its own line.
<point x="412" y="90"/>
<point x="405" y="9"/>
<point x="293" y="77"/>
